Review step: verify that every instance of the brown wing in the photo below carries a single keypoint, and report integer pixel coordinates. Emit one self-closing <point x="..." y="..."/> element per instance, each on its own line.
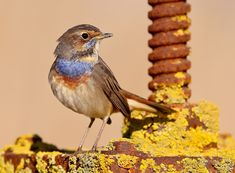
<point x="104" y="77"/>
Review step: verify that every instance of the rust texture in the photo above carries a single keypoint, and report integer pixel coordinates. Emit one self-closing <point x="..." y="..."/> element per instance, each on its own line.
<point x="65" y="163"/>
<point x="170" y="35"/>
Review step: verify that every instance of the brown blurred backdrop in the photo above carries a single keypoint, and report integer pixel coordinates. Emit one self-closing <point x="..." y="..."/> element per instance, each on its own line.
<point x="28" y="34"/>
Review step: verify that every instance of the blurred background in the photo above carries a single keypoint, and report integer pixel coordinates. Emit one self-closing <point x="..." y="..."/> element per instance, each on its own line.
<point x="28" y="34"/>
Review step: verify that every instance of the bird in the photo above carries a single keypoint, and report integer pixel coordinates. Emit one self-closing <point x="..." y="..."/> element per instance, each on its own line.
<point x="83" y="82"/>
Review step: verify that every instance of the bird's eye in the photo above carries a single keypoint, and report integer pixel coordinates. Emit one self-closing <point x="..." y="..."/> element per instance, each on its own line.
<point x="85" y="35"/>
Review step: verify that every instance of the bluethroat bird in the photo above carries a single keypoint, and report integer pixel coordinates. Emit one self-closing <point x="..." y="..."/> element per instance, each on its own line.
<point x="84" y="83"/>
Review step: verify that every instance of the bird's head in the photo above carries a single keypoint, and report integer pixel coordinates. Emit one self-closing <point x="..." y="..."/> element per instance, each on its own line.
<point x="80" y="40"/>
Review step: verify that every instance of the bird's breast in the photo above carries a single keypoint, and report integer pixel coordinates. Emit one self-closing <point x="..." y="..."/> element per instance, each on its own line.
<point x="80" y="94"/>
<point x="71" y="82"/>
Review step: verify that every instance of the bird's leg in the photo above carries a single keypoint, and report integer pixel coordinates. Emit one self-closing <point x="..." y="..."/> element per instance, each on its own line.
<point x="100" y="132"/>
<point x="85" y="135"/>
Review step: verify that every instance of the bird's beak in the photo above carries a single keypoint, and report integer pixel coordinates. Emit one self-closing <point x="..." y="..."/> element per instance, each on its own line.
<point x="103" y="35"/>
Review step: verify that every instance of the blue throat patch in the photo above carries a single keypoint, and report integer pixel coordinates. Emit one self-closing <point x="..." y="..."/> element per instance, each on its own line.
<point x="73" y="68"/>
<point x="90" y="44"/>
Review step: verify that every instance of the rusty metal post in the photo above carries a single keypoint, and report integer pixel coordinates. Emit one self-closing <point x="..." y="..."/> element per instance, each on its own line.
<point x="169" y="56"/>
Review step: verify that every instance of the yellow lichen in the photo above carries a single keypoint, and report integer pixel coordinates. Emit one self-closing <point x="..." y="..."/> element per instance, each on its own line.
<point x="194" y="165"/>
<point x="97" y="162"/>
<point x="107" y="147"/>
<point x="226" y="141"/>
<point x="181" y="32"/>
<point x="209" y="114"/>
<point x="149" y="164"/>
<point x="173" y="135"/>
<point x="126" y="161"/>
<point x="125" y="128"/>
<point x="22" y="145"/>
<point x="21" y="165"/>
<point x="26" y="170"/>
<point x="72" y="164"/>
<point x="224" y="166"/>
<point x="20" y="168"/>
<point x="51" y="166"/>
<point x="105" y="163"/>
<point x="170" y="94"/>
<point x="88" y="162"/>
<point x="181" y="18"/>
<point x="140" y="115"/>
<point x="6" y="167"/>
<point x="180" y="75"/>
<point x="169" y="168"/>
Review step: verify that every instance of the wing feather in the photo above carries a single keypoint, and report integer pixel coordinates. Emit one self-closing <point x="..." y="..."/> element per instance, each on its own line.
<point x="106" y="80"/>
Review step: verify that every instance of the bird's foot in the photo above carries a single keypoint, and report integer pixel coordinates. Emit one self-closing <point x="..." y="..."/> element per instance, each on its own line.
<point x="78" y="151"/>
<point x="94" y="148"/>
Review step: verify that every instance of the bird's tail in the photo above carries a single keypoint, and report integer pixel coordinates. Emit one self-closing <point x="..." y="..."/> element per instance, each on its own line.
<point x="139" y="103"/>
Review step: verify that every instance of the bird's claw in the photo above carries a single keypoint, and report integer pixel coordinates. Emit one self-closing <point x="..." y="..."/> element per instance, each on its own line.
<point x="94" y="148"/>
<point x="78" y="151"/>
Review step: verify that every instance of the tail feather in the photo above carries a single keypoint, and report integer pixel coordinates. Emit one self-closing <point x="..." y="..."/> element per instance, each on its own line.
<point x="137" y="102"/>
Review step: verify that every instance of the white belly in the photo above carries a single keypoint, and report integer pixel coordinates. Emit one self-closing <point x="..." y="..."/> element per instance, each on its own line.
<point x="86" y="98"/>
